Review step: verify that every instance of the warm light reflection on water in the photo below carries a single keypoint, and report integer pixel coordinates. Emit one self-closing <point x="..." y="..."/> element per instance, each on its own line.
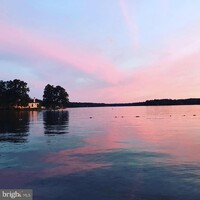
<point x="104" y="153"/>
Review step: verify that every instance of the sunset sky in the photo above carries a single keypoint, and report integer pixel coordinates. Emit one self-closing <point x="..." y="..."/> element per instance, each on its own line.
<point x="103" y="50"/>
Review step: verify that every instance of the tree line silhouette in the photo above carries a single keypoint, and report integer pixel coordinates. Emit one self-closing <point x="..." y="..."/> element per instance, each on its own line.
<point x="14" y="93"/>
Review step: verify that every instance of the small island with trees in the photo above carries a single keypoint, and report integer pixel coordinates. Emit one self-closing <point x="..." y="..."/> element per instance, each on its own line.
<point x="14" y="95"/>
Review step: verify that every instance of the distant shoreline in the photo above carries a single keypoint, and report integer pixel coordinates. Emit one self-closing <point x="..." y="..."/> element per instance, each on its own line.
<point x="155" y="102"/>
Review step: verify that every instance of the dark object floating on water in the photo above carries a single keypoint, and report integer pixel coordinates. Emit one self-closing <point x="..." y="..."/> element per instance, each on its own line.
<point x="137" y="116"/>
<point x="90" y="117"/>
<point x="194" y="115"/>
<point x="183" y="115"/>
<point x="170" y="115"/>
<point x="115" y="116"/>
<point x="122" y="116"/>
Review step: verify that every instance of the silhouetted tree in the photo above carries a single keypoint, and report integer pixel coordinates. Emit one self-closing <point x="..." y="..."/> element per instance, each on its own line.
<point x="61" y="96"/>
<point x="48" y="97"/>
<point x="18" y="92"/>
<point x="55" y="97"/>
<point x="14" y="93"/>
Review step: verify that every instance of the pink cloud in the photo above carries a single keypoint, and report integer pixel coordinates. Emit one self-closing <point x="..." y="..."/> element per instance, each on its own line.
<point x="175" y="73"/>
<point x="168" y="78"/>
<point x="26" y="43"/>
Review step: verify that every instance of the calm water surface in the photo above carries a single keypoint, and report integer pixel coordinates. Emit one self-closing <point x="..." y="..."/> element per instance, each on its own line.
<point x="135" y="153"/>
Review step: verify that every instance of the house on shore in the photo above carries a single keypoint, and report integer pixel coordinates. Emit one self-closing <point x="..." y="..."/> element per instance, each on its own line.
<point x="33" y="105"/>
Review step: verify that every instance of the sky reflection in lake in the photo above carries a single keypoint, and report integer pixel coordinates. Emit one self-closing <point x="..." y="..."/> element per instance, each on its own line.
<point x="103" y="153"/>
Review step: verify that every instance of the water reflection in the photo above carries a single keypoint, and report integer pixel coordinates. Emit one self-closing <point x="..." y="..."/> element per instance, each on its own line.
<point x="14" y="126"/>
<point x="34" y="116"/>
<point x="154" y="156"/>
<point x="55" y="122"/>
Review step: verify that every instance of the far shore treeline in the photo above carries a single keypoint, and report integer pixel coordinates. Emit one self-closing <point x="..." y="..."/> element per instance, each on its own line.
<point x="14" y="95"/>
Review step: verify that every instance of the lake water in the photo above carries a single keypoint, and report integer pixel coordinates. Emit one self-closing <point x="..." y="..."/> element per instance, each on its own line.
<point x="134" y="153"/>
